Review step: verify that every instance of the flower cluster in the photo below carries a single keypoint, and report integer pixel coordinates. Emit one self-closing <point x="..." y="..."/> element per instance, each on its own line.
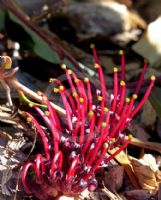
<point x="75" y="146"/>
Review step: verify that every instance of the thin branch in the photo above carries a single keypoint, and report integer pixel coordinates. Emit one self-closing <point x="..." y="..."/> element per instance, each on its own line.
<point x="20" y="87"/>
<point x="154" y="146"/>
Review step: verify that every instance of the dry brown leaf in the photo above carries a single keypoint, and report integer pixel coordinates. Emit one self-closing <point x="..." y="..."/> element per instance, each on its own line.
<point x="145" y="170"/>
<point x="123" y="159"/>
<point x="110" y="195"/>
<point x="114" y="178"/>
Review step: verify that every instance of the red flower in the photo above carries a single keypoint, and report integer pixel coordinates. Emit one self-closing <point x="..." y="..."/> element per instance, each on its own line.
<point x="75" y="146"/>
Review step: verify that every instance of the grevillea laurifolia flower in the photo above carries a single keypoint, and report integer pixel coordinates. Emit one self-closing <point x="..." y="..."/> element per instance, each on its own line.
<point x="75" y="146"/>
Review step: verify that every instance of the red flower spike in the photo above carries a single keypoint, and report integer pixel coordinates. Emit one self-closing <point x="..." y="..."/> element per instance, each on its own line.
<point x="98" y="144"/>
<point x="57" y="163"/>
<point x="69" y="96"/>
<point x="54" y="121"/>
<point x="114" y="102"/>
<point x="40" y="168"/>
<point x="24" y="174"/>
<point x="147" y="93"/>
<point x="98" y="162"/>
<point x="76" y="147"/>
<point x="141" y="78"/>
<point x="30" y="119"/>
<point x="121" y="53"/>
<point x="89" y="94"/>
<point x="43" y="115"/>
<point x="91" y="129"/>
<point x="106" y="132"/>
<point x="67" y="108"/>
<point x="81" y="89"/>
<point x="82" y="128"/>
<point x="122" y="96"/>
<point x="71" y="173"/>
<point x="96" y="59"/>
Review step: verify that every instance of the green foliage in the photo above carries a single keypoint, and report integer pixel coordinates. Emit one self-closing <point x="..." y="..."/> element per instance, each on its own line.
<point x="31" y="39"/>
<point x="40" y="47"/>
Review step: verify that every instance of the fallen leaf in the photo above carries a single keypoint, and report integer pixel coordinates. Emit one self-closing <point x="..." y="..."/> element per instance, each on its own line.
<point x="113" y="179"/>
<point x="145" y="170"/>
<point x="123" y="159"/>
<point x="110" y="195"/>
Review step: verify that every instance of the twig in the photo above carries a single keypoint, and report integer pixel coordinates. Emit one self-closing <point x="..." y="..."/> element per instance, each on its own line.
<point x="6" y="135"/>
<point x="110" y="195"/>
<point x="5" y="109"/>
<point x="8" y="92"/>
<point x="147" y="145"/>
<point x="20" y="87"/>
<point x="17" y="184"/>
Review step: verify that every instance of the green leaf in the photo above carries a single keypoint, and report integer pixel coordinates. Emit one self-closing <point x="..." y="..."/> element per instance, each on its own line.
<point x="155" y="99"/>
<point x="40" y="47"/>
<point x="45" y="44"/>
